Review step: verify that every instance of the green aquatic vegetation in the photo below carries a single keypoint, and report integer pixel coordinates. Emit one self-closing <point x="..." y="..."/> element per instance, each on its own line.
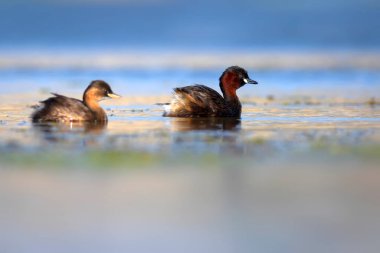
<point x="212" y="138"/>
<point x="114" y="159"/>
<point x="205" y="160"/>
<point x="371" y="151"/>
<point x="108" y="160"/>
<point x="33" y="160"/>
<point x="90" y="159"/>
<point x="365" y="152"/>
<point x="150" y="141"/>
<point x="258" y="140"/>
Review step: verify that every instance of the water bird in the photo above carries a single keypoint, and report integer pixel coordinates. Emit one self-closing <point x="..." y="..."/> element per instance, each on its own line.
<point x="202" y="101"/>
<point x="65" y="109"/>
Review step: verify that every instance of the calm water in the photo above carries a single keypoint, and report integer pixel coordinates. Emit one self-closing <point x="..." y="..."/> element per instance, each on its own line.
<point x="298" y="173"/>
<point x="147" y="183"/>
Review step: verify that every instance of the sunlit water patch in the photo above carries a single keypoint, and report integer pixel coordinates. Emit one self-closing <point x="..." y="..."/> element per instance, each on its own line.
<point x="266" y="126"/>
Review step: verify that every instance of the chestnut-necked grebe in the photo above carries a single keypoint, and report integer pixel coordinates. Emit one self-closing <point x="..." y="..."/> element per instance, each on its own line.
<point x="202" y="101"/>
<point x="64" y="109"/>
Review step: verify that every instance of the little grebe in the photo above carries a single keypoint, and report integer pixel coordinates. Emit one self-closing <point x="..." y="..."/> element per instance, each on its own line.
<point x="64" y="109"/>
<point x="202" y="101"/>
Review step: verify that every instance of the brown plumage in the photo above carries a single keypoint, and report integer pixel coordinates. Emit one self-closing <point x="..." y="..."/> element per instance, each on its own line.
<point x="202" y="101"/>
<point x="64" y="109"/>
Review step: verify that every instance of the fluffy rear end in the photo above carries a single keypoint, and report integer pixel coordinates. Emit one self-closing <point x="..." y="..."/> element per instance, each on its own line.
<point x="50" y="110"/>
<point x="61" y="109"/>
<point x="194" y="101"/>
<point x="177" y="105"/>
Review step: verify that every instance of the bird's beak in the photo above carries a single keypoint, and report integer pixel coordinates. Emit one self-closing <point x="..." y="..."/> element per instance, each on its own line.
<point x="113" y="95"/>
<point x="247" y="80"/>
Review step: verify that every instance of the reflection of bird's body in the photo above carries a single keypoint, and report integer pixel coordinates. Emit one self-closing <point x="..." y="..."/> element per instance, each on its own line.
<point x="203" y="123"/>
<point x="64" y="109"/>
<point x="202" y="101"/>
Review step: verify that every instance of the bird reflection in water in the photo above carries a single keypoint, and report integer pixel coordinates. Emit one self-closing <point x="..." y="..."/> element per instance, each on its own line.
<point x="194" y="124"/>
<point x="74" y="133"/>
<point x="219" y="135"/>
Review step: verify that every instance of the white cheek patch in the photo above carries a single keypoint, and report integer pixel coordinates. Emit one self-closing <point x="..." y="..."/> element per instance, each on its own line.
<point x="245" y="80"/>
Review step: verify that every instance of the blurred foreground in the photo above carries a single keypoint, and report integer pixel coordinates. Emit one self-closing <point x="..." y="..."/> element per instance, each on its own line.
<point x="282" y="206"/>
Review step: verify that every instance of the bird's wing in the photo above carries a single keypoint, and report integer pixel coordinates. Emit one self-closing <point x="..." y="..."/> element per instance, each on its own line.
<point x="195" y="101"/>
<point x="62" y="108"/>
